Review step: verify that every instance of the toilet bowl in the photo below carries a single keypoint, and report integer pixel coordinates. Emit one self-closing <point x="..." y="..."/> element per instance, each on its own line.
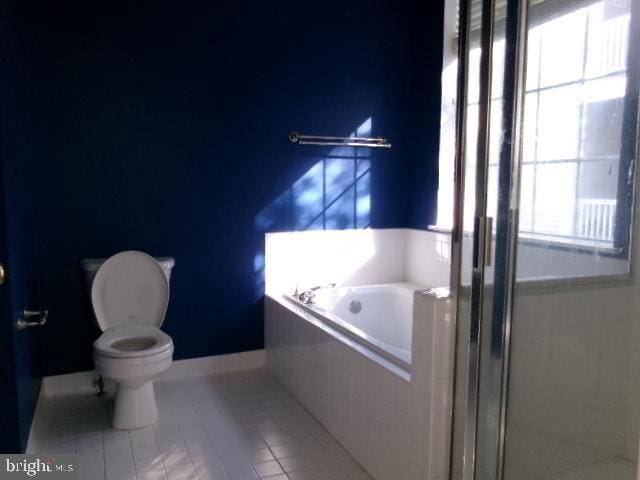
<point x="130" y="294"/>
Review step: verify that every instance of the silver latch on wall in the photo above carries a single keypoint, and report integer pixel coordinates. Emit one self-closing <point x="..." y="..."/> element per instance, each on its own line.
<point x="32" y="318"/>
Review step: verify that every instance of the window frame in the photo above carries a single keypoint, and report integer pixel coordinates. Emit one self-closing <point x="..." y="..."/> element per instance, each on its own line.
<point x="620" y="245"/>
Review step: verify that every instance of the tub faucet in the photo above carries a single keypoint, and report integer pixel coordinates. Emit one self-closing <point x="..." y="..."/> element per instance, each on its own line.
<point x="308" y="296"/>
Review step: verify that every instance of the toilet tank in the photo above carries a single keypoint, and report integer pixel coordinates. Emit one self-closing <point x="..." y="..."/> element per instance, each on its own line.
<point x="90" y="267"/>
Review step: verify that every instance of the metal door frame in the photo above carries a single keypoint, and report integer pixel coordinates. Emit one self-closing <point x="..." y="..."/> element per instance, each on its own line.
<point x="507" y="221"/>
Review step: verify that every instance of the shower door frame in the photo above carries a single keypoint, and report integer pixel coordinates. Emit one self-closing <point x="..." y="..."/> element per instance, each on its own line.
<point x="506" y="225"/>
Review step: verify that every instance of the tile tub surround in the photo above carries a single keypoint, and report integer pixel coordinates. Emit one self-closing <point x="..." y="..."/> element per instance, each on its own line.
<point x="355" y="258"/>
<point x="234" y="426"/>
<point x="395" y="423"/>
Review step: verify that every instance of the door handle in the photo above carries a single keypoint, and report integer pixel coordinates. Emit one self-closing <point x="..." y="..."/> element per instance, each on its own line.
<point x="482" y="232"/>
<point x="32" y="318"/>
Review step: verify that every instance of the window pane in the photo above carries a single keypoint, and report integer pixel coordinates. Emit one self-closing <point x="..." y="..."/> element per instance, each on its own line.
<point x="526" y="198"/>
<point x="604" y="88"/>
<point x="472" y="137"/>
<point x="597" y="191"/>
<point x="608" y="39"/>
<point x="602" y="129"/>
<point x="474" y="76"/>
<point x="555" y="198"/>
<point x="598" y="180"/>
<point x="495" y="135"/>
<point x="559" y="123"/>
<point x="497" y="76"/>
<point x="529" y="137"/>
<point x="533" y="58"/>
<point x="563" y="42"/>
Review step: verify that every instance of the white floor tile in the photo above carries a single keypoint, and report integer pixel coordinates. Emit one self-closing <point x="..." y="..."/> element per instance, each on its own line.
<point x="294" y="464"/>
<point x="268" y="469"/>
<point x="261" y="455"/>
<point x="240" y="426"/>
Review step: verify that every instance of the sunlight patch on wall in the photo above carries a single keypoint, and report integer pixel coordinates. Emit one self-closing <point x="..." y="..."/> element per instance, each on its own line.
<point x="334" y="194"/>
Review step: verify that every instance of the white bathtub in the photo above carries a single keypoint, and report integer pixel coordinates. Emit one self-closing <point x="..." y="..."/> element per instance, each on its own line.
<point x="378" y="316"/>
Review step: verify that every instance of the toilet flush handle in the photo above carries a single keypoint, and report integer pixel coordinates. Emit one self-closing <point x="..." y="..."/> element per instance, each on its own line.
<point x="28" y="316"/>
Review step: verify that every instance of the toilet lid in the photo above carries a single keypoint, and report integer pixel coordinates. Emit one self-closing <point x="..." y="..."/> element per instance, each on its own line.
<point x="130" y="288"/>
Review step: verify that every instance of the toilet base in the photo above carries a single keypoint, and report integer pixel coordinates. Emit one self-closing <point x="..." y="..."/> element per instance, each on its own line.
<point x="135" y="399"/>
<point x="134" y="407"/>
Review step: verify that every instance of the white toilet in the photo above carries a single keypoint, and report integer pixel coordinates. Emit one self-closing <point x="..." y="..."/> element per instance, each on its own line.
<point x="130" y="294"/>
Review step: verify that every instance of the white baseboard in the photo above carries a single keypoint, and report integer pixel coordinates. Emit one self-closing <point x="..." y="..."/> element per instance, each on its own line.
<point x="191" y="367"/>
<point x="232" y="362"/>
<point x="67" y="383"/>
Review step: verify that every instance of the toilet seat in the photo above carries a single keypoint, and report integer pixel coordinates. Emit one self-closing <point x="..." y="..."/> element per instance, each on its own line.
<point x="132" y="342"/>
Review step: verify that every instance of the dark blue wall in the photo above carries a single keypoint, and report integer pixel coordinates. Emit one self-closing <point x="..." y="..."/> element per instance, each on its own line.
<point x="423" y="112"/>
<point x="164" y="129"/>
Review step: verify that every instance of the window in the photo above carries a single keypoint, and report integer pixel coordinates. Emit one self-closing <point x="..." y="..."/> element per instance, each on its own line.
<point x="575" y="89"/>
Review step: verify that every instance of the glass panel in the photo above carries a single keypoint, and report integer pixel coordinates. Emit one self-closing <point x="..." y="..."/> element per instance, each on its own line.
<point x="574" y="374"/>
<point x="573" y="117"/>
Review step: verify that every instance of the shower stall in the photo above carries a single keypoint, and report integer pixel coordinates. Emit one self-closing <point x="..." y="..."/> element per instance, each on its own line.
<point x="540" y="112"/>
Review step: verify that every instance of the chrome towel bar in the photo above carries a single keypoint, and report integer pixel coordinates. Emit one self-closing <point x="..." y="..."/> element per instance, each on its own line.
<point x="377" y="142"/>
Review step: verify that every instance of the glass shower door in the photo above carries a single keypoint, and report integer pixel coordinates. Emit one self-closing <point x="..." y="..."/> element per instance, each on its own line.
<point x="573" y="398"/>
<point x="479" y="118"/>
<point x="548" y="343"/>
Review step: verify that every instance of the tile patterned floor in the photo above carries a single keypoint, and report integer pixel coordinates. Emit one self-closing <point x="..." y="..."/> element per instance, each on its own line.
<point x="241" y="426"/>
<point x="246" y="426"/>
